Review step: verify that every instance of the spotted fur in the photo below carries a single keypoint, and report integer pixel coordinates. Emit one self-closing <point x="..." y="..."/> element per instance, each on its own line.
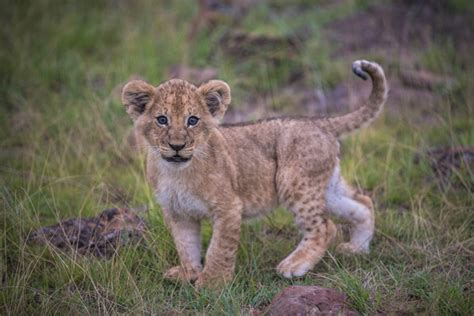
<point x="229" y="173"/>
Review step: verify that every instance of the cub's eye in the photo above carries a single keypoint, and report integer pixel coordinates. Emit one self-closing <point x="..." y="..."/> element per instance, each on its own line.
<point x="192" y="120"/>
<point x="162" y="120"/>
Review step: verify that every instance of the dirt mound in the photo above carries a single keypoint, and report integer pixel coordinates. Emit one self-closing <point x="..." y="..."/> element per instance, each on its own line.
<point x="240" y="44"/>
<point x="448" y="160"/>
<point x="309" y="300"/>
<point x="99" y="236"/>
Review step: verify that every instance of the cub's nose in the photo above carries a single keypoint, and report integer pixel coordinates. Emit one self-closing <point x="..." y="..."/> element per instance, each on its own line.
<point x="177" y="147"/>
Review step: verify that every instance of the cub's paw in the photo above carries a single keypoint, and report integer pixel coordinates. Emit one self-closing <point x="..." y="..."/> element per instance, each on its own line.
<point x="210" y="281"/>
<point x="202" y="282"/>
<point x="349" y="248"/>
<point x="179" y="273"/>
<point x="292" y="267"/>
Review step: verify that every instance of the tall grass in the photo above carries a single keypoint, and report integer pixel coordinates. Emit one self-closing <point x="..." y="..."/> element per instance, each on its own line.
<point x="63" y="155"/>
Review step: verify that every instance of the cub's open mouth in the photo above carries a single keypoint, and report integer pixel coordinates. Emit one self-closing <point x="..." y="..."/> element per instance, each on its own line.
<point x="176" y="158"/>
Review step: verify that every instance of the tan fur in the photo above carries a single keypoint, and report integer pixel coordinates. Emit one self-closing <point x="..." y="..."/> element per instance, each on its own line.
<point x="245" y="170"/>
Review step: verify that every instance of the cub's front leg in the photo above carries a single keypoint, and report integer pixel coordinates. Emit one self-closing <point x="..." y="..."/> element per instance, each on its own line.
<point x="187" y="238"/>
<point x="221" y="254"/>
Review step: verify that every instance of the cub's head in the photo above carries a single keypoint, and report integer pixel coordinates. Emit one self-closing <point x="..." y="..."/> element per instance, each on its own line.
<point x="176" y="117"/>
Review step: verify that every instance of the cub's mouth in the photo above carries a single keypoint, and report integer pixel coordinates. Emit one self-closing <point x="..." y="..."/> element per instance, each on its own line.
<point x="177" y="158"/>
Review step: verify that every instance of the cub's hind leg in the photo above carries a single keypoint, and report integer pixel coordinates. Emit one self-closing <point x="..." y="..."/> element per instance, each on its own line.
<point x="357" y="209"/>
<point x="304" y="196"/>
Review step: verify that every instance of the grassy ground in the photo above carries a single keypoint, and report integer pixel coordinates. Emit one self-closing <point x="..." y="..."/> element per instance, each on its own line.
<point x="62" y="155"/>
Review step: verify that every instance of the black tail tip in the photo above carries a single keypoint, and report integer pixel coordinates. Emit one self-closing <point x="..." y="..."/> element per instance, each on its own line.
<point x="357" y="70"/>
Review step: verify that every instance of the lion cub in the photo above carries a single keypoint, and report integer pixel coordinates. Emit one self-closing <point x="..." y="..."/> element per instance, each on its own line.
<point x="226" y="173"/>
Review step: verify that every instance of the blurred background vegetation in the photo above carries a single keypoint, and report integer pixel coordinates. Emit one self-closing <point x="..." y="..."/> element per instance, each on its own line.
<point x="65" y="149"/>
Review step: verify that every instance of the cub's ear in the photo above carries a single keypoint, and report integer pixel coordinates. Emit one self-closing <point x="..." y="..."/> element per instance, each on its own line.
<point x="135" y="96"/>
<point x="216" y="94"/>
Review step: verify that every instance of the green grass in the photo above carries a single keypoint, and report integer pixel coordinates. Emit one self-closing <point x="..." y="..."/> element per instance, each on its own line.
<point x="62" y="155"/>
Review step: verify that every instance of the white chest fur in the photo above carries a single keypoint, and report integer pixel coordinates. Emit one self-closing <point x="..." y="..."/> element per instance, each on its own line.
<point x="175" y="195"/>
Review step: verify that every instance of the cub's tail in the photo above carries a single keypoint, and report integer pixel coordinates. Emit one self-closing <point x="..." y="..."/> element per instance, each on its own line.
<point x="364" y="115"/>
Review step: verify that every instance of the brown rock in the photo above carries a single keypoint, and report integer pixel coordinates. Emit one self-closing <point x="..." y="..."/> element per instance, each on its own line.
<point x="309" y="300"/>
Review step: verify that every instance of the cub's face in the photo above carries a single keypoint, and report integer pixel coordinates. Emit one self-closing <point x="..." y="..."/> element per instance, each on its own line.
<point x="176" y="117"/>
